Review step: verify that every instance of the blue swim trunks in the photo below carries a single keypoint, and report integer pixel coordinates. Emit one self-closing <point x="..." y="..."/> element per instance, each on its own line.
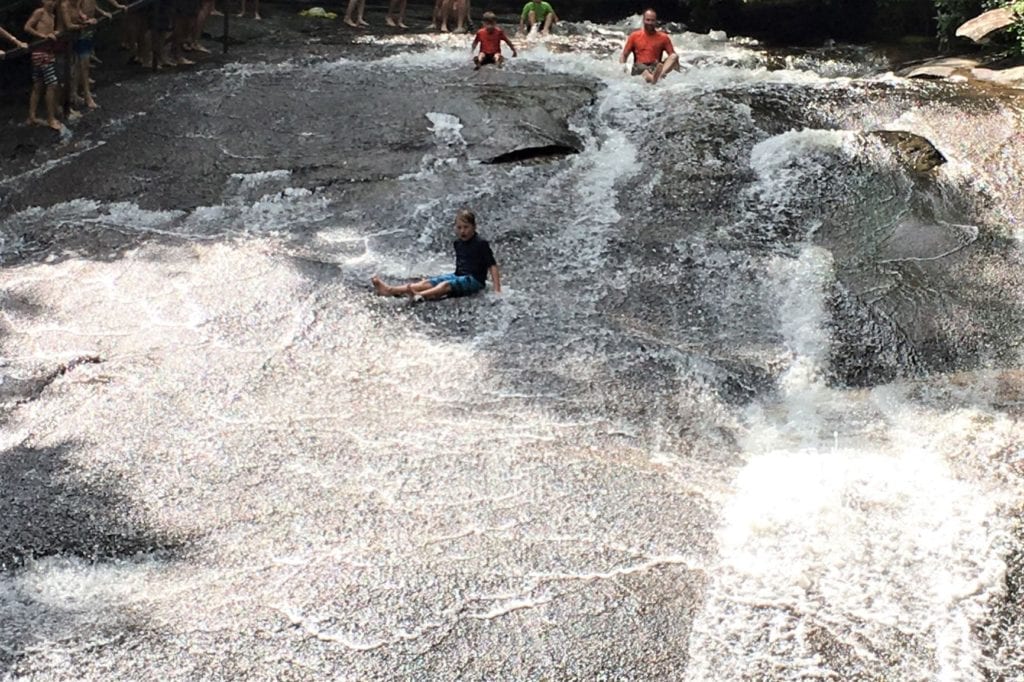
<point x="462" y="285"/>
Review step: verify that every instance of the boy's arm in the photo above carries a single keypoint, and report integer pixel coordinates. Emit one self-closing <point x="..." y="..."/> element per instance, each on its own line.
<point x="509" y="43"/>
<point x="11" y="38"/>
<point x="496" y="278"/>
<point x="476" y="41"/>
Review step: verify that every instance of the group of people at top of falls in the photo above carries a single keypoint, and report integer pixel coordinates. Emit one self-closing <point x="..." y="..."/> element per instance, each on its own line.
<point x="652" y="50"/>
<point x="158" y="34"/>
<point x="536" y="13"/>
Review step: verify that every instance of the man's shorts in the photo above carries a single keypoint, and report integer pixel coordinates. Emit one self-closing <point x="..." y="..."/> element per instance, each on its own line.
<point x="83" y="44"/>
<point x="485" y="58"/>
<point x="462" y="285"/>
<point x="641" y="69"/>
<point x="44" y="69"/>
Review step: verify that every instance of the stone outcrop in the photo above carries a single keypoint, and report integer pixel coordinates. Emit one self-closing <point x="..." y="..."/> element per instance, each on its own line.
<point x="916" y="152"/>
<point x="982" y="26"/>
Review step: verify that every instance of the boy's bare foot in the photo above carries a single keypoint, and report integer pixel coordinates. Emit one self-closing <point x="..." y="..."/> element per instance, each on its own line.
<point x="199" y="47"/>
<point x="349" y="22"/>
<point x="257" y="17"/>
<point x="55" y="124"/>
<point x="390" y="22"/>
<point x="363" y="23"/>
<point x="216" y="13"/>
<point x="91" y="103"/>
<point x="379" y="286"/>
<point x="444" y="29"/>
<point x="185" y="62"/>
<point x="401" y="25"/>
<point x="432" y="26"/>
<point x="33" y="121"/>
<point x="240" y="15"/>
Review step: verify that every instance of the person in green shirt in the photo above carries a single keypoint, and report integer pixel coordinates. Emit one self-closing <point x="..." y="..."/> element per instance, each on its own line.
<point x="537" y="14"/>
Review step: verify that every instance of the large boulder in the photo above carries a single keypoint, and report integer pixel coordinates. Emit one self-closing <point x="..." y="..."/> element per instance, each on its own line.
<point x="354" y="122"/>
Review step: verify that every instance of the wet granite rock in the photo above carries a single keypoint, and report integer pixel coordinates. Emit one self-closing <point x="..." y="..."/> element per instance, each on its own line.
<point x="916" y="152"/>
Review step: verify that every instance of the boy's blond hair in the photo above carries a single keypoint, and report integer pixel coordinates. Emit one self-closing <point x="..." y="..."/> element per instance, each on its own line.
<point x="489" y="16"/>
<point x="467" y="215"/>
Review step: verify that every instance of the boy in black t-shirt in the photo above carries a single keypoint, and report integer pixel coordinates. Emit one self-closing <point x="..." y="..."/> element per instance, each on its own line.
<point x="474" y="260"/>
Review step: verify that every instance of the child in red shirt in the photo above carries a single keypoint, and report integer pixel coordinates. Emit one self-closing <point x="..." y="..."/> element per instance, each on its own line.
<point x="489" y="38"/>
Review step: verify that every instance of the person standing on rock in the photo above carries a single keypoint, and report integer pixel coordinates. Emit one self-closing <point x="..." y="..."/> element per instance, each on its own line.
<point x="537" y="13"/>
<point x="647" y="45"/>
<point x="43" y="25"/>
<point x="474" y="260"/>
<point x="489" y="38"/>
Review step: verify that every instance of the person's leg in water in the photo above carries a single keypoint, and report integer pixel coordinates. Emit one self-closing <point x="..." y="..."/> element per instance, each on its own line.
<point x="421" y="288"/>
<point x="549" y="20"/>
<point x="531" y="21"/>
<point x="396" y="14"/>
<point x="668" y="65"/>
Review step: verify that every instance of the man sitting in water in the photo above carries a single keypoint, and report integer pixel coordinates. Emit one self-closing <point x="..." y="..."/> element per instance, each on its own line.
<point x="537" y="13"/>
<point x="489" y="39"/>
<point x="647" y="46"/>
<point x="473" y="261"/>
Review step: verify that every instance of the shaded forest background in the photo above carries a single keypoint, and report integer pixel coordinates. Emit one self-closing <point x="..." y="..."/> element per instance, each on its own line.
<point x="799" y="21"/>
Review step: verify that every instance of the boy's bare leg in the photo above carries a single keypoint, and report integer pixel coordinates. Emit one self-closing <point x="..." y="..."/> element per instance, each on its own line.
<point x="383" y="289"/>
<point x="446" y="9"/>
<point x="256" y="10"/>
<point x="362" y="10"/>
<point x="548" y="20"/>
<point x="51" y="107"/>
<point x="435" y="18"/>
<point x="349" y="19"/>
<point x="33" y="104"/>
<point x="242" y="12"/>
<point x="433" y="293"/>
<point x="460" y="12"/>
<point x="83" y="79"/>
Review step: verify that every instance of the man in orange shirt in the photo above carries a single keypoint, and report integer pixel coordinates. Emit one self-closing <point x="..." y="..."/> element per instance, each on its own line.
<point x="647" y="46"/>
